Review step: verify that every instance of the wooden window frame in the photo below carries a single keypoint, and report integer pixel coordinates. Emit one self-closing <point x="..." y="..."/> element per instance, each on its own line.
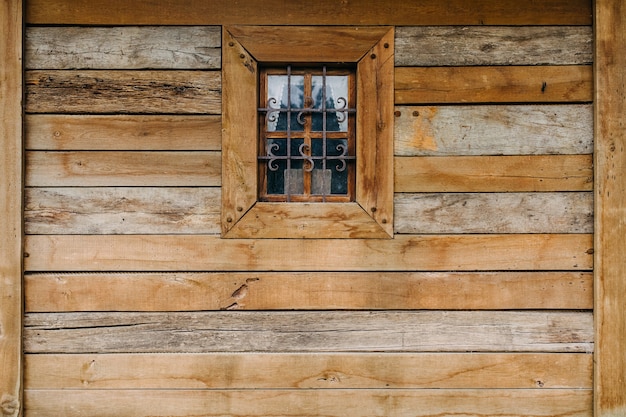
<point x="371" y="214"/>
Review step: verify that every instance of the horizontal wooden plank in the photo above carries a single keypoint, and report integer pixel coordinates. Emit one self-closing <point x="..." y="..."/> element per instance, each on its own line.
<point x="123" y="132"/>
<point x="500" y="84"/>
<point x="127" y="210"/>
<point x="123" y="91"/>
<point x="307" y="403"/>
<point x="494" y="213"/>
<point x="122" y="168"/>
<point x="324" y="12"/>
<point x="403" y="253"/>
<point x="526" y="173"/>
<point x="531" y="129"/>
<point x="336" y="331"/>
<point x="493" y="45"/>
<point x="308" y="371"/>
<point x="308" y="291"/>
<point x="146" y="47"/>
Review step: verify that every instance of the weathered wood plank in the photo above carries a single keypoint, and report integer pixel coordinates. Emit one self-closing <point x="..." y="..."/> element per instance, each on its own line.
<point x="123" y="91"/>
<point x="127" y="210"/>
<point x="337" y="331"/>
<point x="323" y="12"/>
<point x="285" y="43"/>
<point x="11" y="184"/>
<point x="307" y="403"/>
<point x="403" y="253"/>
<point x="494" y="213"/>
<point x="308" y="291"/>
<point x="121" y="168"/>
<point x="494" y="173"/>
<point x="309" y="371"/>
<point x="146" y="47"/>
<point x="494" y="130"/>
<point x="503" y="84"/>
<point x="122" y="132"/>
<point x="610" y="195"/>
<point x="489" y="45"/>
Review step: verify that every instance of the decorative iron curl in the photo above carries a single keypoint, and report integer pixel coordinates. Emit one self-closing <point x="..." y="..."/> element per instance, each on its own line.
<point x="309" y="164"/>
<point x="271" y="163"/>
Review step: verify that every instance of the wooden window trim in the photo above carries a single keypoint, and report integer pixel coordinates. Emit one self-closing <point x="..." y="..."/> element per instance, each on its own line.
<point x="371" y="48"/>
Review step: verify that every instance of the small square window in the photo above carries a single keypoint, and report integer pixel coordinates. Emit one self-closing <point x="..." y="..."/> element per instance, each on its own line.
<point x="307" y="143"/>
<point x="307" y="134"/>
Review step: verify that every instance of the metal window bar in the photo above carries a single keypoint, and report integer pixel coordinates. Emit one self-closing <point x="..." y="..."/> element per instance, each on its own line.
<point x="309" y="160"/>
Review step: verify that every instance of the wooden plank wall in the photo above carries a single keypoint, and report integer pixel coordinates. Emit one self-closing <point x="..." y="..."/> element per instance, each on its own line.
<point x="480" y="305"/>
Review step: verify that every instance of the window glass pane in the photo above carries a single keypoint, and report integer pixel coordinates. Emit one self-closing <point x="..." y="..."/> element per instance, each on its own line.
<point x="334" y="98"/>
<point x="278" y="97"/>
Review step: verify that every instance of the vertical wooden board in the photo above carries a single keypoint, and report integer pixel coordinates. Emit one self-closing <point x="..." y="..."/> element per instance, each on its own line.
<point x="310" y="403"/>
<point x="11" y="183"/>
<point x="610" y="193"/>
<point x="239" y="119"/>
<point x="147" y="47"/>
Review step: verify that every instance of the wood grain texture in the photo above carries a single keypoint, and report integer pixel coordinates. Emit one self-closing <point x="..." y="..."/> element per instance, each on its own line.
<point x="404" y="252"/>
<point x="122" y="210"/>
<point x="335" y="331"/>
<point x="56" y="132"/>
<point x="11" y="183"/>
<point x="494" y="213"/>
<point x="292" y="44"/>
<point x="532" y="129"/>
<point x="122" y="168"/>
<point x="528" y="173"/>
<point x="309" y="371"/>
<point x="610" y="195"/>
<point x="123" y="91"/>
<point x="500" y="84"/>
<point x="146" y="47"/>
<point x="308" y="291"/>
<point x="493" y="45"/>
<point x="276" y="12"/>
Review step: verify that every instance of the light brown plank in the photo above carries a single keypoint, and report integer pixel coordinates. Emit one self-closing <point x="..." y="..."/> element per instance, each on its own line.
<point x="494" y="213"/>
<point x="123" y="91"/>
<point x="493" y="45"/>
<point x="11" y="183"/>
<point x="123" y="132"/>
<point x="532" y="129"/>
<point x="610" y="244"/>
<point x="308" y="291"/>
<point x="404" y="252"/>
<point x="325" y="12"/>
<point x="308" y="403"/>
<point x="103" y="168"/>
<point x="336" y="331"/>
<point x="126" y="210"/>
<point x="503" y="84"/>
<point x="183" y="47"/>
<point x="289" y="43"/>
<point x="494" y="173"/>
<point x="308" y="371"/>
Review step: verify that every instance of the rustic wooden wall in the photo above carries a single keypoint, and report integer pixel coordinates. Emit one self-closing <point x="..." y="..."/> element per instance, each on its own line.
<point x="480" y="305"/>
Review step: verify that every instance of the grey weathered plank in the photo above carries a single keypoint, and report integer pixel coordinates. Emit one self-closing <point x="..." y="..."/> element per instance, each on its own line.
<point x="493" y="45"/>
<point x="123" y="91"/>
<point x="494" y="130"/>
<point x="123" y="47"/>
<point x="231" y="331"/>
<point x="494" y="213"/>
<point x="123" y="132"/>
<point x="127" y="210"/>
